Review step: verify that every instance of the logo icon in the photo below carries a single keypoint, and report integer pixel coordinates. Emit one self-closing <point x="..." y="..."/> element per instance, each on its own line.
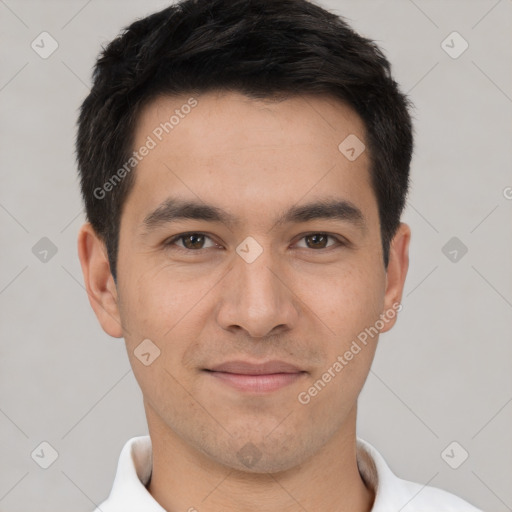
<point x="44" y="45"/>
<point x="249" y="455"/>
<point x="249" y="249"/>
<point x="44" y="455"/>
<point x="454" y="249"/>
<point x="454" y="45"/>
<point x="146" y="352"/>
<point x="352" y="147"/>
<point x="454" y="455"/>
<point x="44" y="250"/>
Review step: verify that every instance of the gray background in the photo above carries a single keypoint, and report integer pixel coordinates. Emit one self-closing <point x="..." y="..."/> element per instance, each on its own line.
<point x="441" y="375"/>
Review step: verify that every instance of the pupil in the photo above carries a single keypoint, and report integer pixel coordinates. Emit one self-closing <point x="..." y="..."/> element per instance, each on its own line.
<point x="195" y="243"/>
<point x="316" y="237"/>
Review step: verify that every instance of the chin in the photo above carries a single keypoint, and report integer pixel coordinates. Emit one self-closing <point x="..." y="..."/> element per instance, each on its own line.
<point x="261" y="454"/>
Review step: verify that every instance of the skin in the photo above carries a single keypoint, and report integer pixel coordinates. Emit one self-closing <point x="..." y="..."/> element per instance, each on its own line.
<point x="296" y="302"/>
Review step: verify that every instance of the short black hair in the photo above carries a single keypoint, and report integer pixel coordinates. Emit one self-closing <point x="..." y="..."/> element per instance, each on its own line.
<point x="261" y="48"/>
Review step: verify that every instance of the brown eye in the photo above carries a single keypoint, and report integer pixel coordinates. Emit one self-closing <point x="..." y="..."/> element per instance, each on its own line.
<point x="319" y="241"/>
<point x="193" y="241"/>
<point x="316" y="241"/>
<point x="189" y="241"/>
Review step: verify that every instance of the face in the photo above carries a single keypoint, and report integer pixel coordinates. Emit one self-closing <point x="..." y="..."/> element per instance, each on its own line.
<point x="256" y="298"/>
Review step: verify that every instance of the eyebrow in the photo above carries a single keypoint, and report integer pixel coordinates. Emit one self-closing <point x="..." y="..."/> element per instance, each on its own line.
<point x="174" y="209"/>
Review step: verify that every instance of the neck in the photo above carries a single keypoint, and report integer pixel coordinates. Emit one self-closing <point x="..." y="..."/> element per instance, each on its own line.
<point x="186" y="479"/>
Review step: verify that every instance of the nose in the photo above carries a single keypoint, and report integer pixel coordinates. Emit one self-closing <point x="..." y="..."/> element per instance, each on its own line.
<point x="258" y="298"/>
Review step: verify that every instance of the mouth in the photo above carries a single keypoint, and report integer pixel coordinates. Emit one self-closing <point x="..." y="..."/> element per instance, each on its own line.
<point x="256" y="378"/>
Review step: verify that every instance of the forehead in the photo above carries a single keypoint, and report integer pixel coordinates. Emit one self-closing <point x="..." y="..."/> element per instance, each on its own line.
<point x="221" y="117"/>
<point x="249" y="155"/>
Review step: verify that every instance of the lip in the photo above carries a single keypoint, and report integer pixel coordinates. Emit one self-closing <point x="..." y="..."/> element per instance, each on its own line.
<point x="246" y="368"/>
<point x="256" y="377"/>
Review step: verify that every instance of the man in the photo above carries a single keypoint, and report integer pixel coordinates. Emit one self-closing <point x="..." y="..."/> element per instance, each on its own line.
<point x="244" y="166"/>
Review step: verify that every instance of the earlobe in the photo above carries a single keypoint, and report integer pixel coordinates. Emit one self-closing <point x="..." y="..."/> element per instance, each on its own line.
<point x="396" y="274"/>
<point x="99" y="283"/>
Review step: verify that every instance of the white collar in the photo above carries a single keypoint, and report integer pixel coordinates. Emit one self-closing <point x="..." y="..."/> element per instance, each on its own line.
<point x="393" y="494"/>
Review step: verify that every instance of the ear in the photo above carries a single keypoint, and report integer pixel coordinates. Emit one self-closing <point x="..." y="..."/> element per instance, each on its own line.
<point x="98" y="279"/>
<point x="395" y="275"/>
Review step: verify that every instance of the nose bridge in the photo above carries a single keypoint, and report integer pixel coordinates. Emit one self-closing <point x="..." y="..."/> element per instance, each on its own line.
<point x="259" y="287"/>
<point x="255" y="296"/>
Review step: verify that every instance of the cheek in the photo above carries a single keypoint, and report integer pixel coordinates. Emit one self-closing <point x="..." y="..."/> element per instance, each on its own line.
<point x="351" y="307"/>
<point x="155" y="302"/>
<point x="163" y="306"/>
<point x="351" y="300"/>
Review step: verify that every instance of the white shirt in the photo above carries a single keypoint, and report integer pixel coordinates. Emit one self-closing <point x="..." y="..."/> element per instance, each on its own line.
<point x="392" y="494"/>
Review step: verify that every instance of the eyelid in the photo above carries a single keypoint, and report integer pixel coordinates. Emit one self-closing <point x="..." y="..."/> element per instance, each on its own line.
<point x="171" y="241"/>
<point x="340" y="241"/>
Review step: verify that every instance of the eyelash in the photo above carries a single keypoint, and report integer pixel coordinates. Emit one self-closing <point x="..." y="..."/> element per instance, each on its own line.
<point x="170" y="241"/>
